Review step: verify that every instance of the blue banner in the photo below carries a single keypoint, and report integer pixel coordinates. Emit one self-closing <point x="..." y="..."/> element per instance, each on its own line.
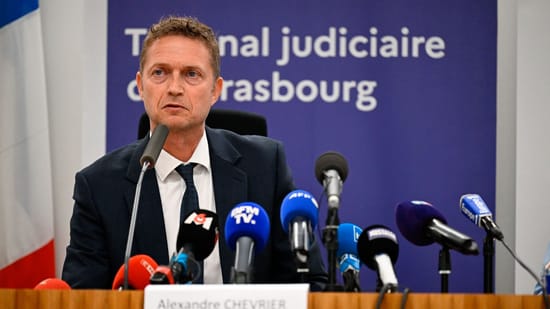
<point x="406" y="91"/>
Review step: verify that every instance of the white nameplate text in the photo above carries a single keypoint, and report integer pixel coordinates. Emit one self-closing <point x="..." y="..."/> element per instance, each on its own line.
<point x="226" y="296"/>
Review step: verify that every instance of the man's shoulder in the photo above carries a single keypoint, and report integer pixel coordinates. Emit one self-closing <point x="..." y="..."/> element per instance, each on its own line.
<point x="114" y="161"/>
<point x="220" y="136"/>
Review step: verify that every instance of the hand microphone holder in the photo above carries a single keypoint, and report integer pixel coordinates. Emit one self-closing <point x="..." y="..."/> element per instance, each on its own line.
<point x="181" y="273"/>
<point x="240" y="277"/>
<point x="444" y="268"/>
<point x="184" y="267"/>
<point x="301" y="236"/>
<point x="388" y="288"/>
<point x="302" y="267"/>
<point x="351" y="281"/>
<point x="488" y="255"/>
<point x="241" y="272"/>
<point x="330" y="240"/>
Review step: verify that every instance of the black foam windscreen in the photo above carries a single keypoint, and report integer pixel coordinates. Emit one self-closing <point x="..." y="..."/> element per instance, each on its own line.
<point x="198" y="233"/>
<point x="377" y="239"/>
<point x="331" y="160"/>
<point x="154" y="146"/>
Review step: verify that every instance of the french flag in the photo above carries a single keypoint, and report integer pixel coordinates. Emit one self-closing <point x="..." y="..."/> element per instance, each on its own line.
<point x="26" y="202"/>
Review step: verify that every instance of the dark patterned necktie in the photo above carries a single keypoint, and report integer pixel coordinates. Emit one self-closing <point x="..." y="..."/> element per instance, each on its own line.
<point x="190" y="201"/>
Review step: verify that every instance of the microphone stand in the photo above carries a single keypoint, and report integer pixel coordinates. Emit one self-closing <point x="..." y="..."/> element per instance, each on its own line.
<point x="488" y="254"/>
<point x="301" y="253"/>
<point x="302" y="268"/>
<point x="330" y="240"/>
<point x="148" y="159"/>
<point x="444" y="268"/>
<point x="133" y="219"/>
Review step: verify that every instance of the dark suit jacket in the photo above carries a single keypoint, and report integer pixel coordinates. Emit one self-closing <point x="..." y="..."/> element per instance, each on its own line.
<point x="244" y="169"/>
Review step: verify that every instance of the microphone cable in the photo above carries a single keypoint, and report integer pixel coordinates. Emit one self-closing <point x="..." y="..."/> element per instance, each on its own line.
<point x="404" y="298"/>
<point x="542" y="283"/>
<point x="389" y="287"/>
<point x="381" y="294"/>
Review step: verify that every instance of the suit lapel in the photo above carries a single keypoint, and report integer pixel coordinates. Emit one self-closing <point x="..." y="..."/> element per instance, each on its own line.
<point x="150" y="234"/>
<point x="230" y="188"/>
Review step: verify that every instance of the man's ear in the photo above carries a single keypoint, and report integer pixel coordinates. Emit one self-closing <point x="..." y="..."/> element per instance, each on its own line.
<point x="139" y="83"/>
<point x="217" y="90"/>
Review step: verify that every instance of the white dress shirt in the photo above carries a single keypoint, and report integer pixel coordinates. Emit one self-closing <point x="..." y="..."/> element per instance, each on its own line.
<point x="172" y="187"/>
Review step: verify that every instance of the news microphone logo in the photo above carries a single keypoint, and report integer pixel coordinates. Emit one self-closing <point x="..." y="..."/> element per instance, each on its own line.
<point x="200" y="219"/>
<point x="473" y="207"/>
<point x="356" y="233"/>
<point x="349" y="261"/>
<point x="245" y="213"/>
<point x="301" y="194"/>
<point x="383" y="233"/>
<point x="147" y="265"/>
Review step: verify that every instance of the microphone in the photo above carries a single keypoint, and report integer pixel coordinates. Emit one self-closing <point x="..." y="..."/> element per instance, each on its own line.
<point x="474" y="208"/>
<point x="422" y="224"/>
<point x="246" y="232"/>
<point x="153" y="148"/>
<point x="348" y="235"/>
<point x="197" y="237"/>
<point x="140" y="268"/>
<point x="148" y="159"/>
<point x="331" y="170"/>
<point x="378" y="249"/>
<point x="162" y="275"/>
<point x="299" y="214"/>
<point x="52" y="284"/>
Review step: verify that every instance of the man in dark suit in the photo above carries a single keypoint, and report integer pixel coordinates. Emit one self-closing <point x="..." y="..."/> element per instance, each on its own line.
<point x="179" y="80"/>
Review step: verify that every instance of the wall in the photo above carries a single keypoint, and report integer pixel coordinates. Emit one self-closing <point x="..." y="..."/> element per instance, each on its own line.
<point x="533" y="142"/>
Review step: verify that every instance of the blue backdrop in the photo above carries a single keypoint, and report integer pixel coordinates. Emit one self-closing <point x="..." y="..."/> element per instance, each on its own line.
<point x="405" y="91"/>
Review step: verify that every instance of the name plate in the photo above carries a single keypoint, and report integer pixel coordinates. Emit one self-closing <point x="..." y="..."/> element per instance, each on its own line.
<point x="226" y="296"/>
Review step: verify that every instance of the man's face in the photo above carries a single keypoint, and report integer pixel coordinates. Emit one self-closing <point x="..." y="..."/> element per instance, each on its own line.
<point x="177" y="83"/>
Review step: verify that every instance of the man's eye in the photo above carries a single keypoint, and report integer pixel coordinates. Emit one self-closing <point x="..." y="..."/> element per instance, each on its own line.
<point x="193" y="74"/>
<point x="158" y="72"/>
<point x="193" y="77"/>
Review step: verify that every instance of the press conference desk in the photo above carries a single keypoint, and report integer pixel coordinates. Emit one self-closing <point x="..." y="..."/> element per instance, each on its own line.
<point x="23" y="299"/>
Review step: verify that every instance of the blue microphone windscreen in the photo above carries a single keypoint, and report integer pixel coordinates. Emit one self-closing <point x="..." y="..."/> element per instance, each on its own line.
<point x="299" y="203"/>
<point x="348" y="235"/>
<point x="247" y="219"/>
<point x="413" y="217"/>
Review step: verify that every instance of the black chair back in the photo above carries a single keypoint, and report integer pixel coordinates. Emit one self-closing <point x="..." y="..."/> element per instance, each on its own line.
<point x="241" y="122"/>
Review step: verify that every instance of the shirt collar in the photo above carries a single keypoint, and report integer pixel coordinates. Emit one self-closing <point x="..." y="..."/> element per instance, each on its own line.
<point x="166" y="163"/>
